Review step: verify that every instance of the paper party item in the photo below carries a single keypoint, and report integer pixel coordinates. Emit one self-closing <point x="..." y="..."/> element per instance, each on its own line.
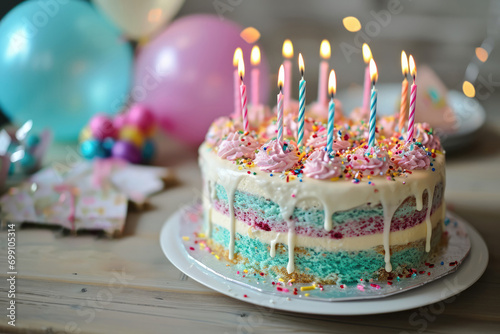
<point x="90" y="196"/>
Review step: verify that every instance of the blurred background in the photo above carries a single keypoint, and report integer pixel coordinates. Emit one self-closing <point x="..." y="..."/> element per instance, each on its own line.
<point x="457" y="39"/>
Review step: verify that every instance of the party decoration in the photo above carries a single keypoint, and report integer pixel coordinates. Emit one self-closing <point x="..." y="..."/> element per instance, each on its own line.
<point x="413" y="100"/>
<point x="404" y="93"/>
<point x="367" y="56"/>
<point x="255" y="59"/>
<point x="302" y="101"/>
<point x="127" y="136"/>
<point x="90" y="196"/>
<point x="332" y="87"/>
<point x="281" y="80"/>
<point x="373" y="103"/>
<point x="60" y="64"/>
<point x="185" y="75"/>
<point x="23" y="149"/>
<point x="287" y="52"/>
<point x="127" y="151"/>
<point x="138" y="19"/>
<point x="101" y="127"/>
<point x="237" y="57"/>
<point x="325" y="52"/>
<point x="243" y="94"/>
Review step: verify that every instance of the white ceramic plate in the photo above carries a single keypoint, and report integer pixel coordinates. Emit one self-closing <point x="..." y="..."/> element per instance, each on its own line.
<point x="468" y="273"/>
<point x="469" y="113"/>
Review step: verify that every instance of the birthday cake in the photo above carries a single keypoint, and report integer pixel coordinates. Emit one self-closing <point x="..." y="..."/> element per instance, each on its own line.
<point x="298" y="198"/>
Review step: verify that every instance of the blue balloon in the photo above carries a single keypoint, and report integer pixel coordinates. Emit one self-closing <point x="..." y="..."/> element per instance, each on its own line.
<point x="60" y="63"/>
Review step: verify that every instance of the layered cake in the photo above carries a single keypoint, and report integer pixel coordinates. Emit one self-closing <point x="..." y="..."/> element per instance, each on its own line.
<point x="310" y="214"/>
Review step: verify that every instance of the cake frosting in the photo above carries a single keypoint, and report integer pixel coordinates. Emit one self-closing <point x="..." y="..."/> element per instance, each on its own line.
<point x="319" y="139"/>
<point x="320" y="165"/>
<point x="370" y="161"/>
<point x="237" y="146"/>
<point x="318" y="214"/>
<point x="276" y="157"/>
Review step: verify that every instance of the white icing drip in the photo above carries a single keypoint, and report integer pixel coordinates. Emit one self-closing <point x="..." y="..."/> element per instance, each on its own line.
<point x="389" y="210"/>
<point x="335" y="196"/>
<point x="273" y="245"/>
<point x="328" y="217"/>
<point x="230" y="191"/>
<point x="428" y="223"/>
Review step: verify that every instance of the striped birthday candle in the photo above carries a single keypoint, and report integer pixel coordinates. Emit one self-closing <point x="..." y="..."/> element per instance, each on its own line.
<point x="302" y="102"/>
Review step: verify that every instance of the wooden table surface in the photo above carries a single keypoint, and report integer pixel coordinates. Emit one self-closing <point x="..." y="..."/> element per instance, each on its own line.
<point x="87" y="284"/>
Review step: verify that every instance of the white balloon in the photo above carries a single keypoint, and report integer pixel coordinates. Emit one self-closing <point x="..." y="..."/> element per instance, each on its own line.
<point x="139" y="18"/>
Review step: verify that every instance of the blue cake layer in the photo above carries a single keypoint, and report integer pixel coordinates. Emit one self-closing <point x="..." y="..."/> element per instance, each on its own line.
<point x="322" y="266"/>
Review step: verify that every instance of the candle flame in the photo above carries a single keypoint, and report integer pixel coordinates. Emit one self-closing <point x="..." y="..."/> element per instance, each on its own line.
<point x="367" y="53"/>
<point x="281" y="77"/>
<point x="255" y="56"/>
<point x="404" y="64"/>
<point x="413" y="67"/>
<point x="238" y="54"/>
<point x="301" y="64"/>
<point x="241" y="68"/>
<point x="332" y="84"/>
<point x="373" y="71"/>
<point x="325" y="51"/>
<point x="287" y="49"/>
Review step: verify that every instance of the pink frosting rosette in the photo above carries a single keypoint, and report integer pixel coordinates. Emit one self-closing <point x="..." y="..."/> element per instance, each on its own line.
<point x="237" y="146"/>
<point x="427" y="138"/>
<point x="369" y="162"/>
<point x="321" y="166"/>
<point x="410" y="156"/>
<point x="318" y="140"/>
<point x="219" y="129"/>
<point x="273" y="157"/>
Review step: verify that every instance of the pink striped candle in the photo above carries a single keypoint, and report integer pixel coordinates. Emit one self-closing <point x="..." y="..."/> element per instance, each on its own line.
<point x="243" y="93"/>
<point x="404" y="93"/>
<point x="325" y="52"/>
<point x="255" y="60"/>
<point x="281" y="79"/>
<point x="287" y="64"/>
<point x="238" y="54"/>
<point x="413" y="99"/>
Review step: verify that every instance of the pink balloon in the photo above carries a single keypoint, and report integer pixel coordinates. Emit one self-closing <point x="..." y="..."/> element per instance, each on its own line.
<point x="185" y="75"/>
